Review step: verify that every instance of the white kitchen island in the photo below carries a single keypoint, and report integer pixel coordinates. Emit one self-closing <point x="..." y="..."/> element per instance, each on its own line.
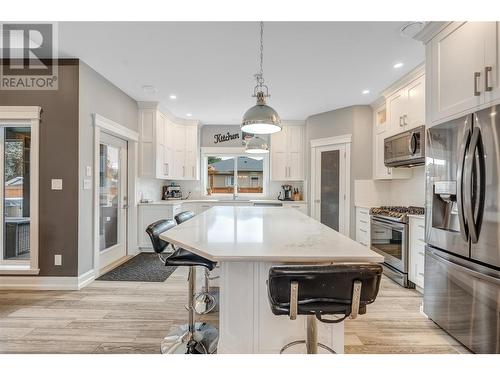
<point x="245" y="242"/>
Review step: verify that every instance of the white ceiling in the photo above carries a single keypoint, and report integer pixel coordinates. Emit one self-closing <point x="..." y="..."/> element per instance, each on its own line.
<point x="310" y="67"/>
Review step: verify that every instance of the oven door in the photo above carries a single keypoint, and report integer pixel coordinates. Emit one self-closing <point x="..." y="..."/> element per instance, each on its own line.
<point x="390" y="240"/>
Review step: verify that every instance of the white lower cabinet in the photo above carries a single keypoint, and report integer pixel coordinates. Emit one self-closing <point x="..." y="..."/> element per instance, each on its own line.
<point x="148" y="214"/>
<point x="363" y="225"/>
<point x="416" y="251"/>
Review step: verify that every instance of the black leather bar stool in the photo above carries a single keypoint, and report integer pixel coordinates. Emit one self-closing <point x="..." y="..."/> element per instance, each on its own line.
<point x="343" y="290"/>
<point x="191" y="338"/>
<point x="204" y="302"/>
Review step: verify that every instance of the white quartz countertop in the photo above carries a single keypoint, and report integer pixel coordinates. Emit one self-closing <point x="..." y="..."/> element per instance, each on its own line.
<point x="232" y="233"/>
<point x="240" y="201"/>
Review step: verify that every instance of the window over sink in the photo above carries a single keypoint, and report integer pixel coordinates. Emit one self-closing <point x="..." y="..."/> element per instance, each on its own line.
<point x="241" y="174"/>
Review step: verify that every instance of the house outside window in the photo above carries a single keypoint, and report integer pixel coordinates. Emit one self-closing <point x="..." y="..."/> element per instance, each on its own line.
<point x="240" y="173"/>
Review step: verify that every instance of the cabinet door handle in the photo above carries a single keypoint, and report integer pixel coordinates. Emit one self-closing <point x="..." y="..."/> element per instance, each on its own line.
<point x="487" y="71"/>
<point x="286" y="172"/>
<point x="405" y="120"/>
<point x="401" y="121"/>
<point x="183" y="171"/>
<point x="193" y="170"/>
<point x="476" y="78"/>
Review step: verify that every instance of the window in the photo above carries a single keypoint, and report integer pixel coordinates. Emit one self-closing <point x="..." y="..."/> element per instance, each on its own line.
<point x="19" y="189"/>
<point x="240" y="173"/>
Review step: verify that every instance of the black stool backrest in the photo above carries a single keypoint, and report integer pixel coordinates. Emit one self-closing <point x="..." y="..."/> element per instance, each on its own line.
<point x="323" y="289"/>
<point x="184" y="216"/>
<point x="154" y="230"/>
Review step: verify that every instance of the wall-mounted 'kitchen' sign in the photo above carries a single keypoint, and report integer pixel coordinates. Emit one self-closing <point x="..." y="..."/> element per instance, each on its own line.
<point x="219" y="138"/>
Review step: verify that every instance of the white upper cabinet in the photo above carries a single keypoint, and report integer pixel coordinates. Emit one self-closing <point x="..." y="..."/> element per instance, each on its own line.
<point x="287" y="154"/>
<point x="462" y="60"/>
<point x="167" y="150"/>
<point x="380" y="132"/>
<point x="406" y="107"/>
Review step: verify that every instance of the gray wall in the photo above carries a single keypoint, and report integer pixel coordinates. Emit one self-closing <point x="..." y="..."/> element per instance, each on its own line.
<point x="209" y="131"/>
<point x="97" y="95"/>
<point x="355" y="120"/>
<point x="58" y="216"/>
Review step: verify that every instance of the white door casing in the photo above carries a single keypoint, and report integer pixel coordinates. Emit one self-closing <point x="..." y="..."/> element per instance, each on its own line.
<point x="343" y="145"/>
<point x="104" y="125"/>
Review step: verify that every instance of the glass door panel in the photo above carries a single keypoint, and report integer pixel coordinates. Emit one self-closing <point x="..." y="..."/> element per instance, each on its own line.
<point x="109" y="186"/>
<point x="330" y="185"/>
<point x="16" y="145"/>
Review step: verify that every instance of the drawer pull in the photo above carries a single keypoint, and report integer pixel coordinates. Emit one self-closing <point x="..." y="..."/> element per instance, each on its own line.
<point x="421" y="240"/>
<point x="421" y="253"/>
<point x="379" y="231"/>
<point x="363" y="221"/>
<point x="362" y="230"/>
<point x="422" y="226"/>
<point x="421" y="274"/>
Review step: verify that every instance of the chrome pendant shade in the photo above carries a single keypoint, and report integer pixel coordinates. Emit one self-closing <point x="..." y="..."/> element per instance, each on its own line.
<point x="256" y="145"/>
<point x="261" y="118"/>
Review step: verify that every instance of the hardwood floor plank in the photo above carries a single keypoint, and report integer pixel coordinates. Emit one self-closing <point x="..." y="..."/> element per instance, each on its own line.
<point x="133" y="317"/>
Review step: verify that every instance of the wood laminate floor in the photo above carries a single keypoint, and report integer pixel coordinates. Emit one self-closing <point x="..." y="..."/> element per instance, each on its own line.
<point x="133" y="317"/>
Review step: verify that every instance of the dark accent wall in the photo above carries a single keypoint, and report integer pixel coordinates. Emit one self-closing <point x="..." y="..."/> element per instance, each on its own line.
<point x="58" y="218"/>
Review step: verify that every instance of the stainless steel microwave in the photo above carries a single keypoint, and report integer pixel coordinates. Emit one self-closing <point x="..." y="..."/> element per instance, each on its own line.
<point x="405" y="149"/>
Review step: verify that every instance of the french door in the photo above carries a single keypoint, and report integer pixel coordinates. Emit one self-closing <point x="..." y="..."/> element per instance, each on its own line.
<point x="113" y="200"/>
<point x="329" y="186"/>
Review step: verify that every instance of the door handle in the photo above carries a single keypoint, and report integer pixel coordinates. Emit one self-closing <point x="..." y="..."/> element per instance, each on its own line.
<point x="474" y="219"/>
<point x="487" y="71"/>
<point x="460" y="184"/>
<point x="412" y="143"/>
<point x="476" y="79"/>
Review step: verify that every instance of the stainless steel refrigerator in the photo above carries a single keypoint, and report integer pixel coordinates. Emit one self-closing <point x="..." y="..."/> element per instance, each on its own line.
<point x="462" y="257"/>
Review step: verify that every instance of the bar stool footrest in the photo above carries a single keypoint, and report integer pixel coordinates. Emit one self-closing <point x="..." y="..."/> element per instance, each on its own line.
<point x="298" y="342"/>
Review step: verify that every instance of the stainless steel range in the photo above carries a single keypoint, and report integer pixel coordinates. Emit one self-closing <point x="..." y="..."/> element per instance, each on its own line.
<point x="389" y="237"/>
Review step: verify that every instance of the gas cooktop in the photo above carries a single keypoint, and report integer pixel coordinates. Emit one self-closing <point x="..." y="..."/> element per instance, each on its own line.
<point x="396" y="213"/>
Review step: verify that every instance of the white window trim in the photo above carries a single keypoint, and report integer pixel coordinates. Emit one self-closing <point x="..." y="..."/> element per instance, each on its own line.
<point x="233" y="151"/>
<point x="27" y="115"/>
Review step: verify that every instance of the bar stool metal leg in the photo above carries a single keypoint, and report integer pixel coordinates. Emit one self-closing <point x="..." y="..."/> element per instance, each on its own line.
<point x="312" y="335"/>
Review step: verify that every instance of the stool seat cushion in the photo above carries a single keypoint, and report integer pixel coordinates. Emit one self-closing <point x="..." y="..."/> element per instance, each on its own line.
<point x="182" y="257"/>
<point x="322" y="289"/>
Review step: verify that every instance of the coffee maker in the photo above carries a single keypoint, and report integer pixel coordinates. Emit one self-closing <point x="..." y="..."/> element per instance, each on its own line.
<point x="285" y="193"/>
<point x="171" y="192"/>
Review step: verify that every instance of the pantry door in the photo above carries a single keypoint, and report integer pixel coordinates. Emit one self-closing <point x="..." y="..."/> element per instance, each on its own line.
<point x="330" y="186"/>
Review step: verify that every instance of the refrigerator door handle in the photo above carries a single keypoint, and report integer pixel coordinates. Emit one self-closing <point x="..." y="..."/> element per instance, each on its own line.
<point x="474" y="202"/>
<point x="460" y="185"/>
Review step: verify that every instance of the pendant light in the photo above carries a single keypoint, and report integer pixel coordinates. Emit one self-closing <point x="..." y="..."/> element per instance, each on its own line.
<point x="256" y="145"/>
<point x="261" y="118"/>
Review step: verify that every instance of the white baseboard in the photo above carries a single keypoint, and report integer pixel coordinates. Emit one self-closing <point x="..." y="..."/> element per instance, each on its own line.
<point x="46" y="282"/>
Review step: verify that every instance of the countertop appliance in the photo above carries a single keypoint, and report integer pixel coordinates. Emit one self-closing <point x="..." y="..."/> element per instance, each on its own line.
<point x="389" y="237"/>
<point x="286" y="193"/>
<point x="171" y="192"/>
<point x="405" y="149"/>
<point x="462" y="257"/>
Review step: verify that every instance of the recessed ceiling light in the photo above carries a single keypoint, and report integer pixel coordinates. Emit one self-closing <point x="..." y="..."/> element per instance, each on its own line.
<point x="188" y="114"/>
<point x="366" y="91"/>
<point x="409" y="30"/>
<point x="398" y="65"/>
<point x="149" y="89"/>
<point x="173" y="96"/>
